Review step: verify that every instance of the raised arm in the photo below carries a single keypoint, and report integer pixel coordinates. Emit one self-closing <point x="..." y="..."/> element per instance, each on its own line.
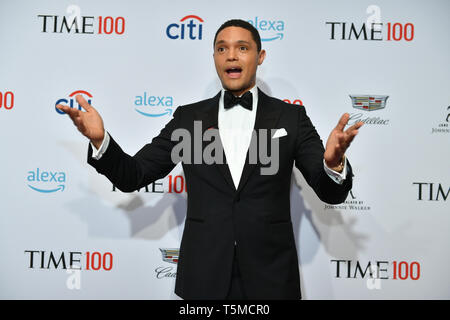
<point x="127" y="173"/>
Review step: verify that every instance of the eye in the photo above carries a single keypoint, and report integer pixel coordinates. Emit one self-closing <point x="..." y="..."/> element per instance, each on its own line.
<point x="243" y="48"/>
<point x="220" y="49"/>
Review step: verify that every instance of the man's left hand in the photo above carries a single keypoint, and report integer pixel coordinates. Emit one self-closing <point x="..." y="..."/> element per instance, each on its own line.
<point x="338" y="142"/>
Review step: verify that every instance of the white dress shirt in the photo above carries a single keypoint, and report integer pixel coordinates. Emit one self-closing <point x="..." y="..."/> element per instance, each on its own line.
<point x="235" y="128"/>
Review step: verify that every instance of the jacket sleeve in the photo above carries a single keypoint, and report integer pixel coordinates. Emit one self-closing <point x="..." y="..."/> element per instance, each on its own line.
<point x="309" y="160"/>
<point x="152" y="162"/>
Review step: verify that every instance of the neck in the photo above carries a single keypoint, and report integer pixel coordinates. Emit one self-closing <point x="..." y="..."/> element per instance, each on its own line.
<point x="240" y="92"/>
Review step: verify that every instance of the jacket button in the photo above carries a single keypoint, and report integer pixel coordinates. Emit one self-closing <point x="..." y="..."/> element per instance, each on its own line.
<point x="237" y="198"/>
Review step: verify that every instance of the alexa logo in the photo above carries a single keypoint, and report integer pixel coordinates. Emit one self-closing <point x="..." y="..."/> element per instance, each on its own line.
<point x="149" y="105"/>
<point x="46" y="181"/>
<point x="269" y="30"/>
<point x="189" y="27"/>
<point x="71" y="102"/>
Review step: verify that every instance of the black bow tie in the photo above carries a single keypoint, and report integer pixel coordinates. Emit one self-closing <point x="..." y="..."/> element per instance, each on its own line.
<point x="246" y="100"/>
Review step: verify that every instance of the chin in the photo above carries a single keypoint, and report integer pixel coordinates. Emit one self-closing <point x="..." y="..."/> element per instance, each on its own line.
<point x="234" y="86"/>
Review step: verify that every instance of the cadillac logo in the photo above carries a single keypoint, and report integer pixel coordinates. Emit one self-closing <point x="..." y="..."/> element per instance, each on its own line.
<point x="170" y="255"/>
<point x="368" y="102"/>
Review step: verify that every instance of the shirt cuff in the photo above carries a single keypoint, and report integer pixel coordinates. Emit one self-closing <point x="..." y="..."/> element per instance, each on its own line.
<point x="97" y="154"/>
<point x="334" y="175"/>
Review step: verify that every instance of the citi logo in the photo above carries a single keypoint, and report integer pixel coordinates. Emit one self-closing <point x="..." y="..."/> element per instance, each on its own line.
<point x="46" y="181"/>
<point x="153" y="106"/>
<point x="72" y="102"/>
<point x="270" y="30"/>
<point x="190" y="27"/>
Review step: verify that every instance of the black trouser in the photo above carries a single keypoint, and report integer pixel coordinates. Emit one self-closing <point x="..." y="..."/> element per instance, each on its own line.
<point x="236" y="291"/>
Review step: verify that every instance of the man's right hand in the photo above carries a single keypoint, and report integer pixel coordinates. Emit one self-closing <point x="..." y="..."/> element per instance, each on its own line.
<point x="89" y="123"/>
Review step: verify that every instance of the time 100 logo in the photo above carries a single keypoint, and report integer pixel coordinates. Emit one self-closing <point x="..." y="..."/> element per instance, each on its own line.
<point x="6" y="100"/>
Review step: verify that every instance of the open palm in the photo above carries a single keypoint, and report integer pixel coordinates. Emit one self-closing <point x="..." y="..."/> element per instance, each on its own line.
<point x="339" y="140"/>
<point x="88" y="122"/>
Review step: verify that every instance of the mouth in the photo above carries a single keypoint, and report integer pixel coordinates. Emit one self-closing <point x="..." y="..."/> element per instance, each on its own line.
<point x="234" y="72"/>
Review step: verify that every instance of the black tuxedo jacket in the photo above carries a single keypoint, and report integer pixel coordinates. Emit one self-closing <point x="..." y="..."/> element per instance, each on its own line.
<point x="256" y="215"/>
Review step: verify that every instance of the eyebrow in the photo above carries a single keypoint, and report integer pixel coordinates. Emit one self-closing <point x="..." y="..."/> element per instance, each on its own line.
<point x="239" y="41"/>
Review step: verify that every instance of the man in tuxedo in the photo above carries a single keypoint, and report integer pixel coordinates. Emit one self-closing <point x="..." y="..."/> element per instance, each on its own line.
<point x="238" y="240"/>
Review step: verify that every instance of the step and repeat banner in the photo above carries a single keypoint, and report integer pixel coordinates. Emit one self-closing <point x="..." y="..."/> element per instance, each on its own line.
<point x="67" y="233"/>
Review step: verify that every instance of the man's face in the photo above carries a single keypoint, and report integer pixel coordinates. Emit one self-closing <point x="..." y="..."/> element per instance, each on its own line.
<point x="236" y="59"/>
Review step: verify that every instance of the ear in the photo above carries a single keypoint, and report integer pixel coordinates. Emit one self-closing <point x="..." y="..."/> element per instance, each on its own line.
<point x="261" y="57"/>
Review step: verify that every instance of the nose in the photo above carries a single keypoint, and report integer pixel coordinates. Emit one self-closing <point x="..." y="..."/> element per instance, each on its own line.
<point x="232" y="55"/>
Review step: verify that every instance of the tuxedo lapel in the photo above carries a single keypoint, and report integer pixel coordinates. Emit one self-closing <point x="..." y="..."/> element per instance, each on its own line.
<point x="267" y="116"/>
<point x="209" y="115"/>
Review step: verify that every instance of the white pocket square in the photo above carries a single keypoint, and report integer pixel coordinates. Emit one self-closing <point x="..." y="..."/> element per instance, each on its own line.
<point x="279" y="133"/>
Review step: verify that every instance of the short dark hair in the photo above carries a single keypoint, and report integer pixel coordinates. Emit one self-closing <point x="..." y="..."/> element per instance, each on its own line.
<point x="242" y="24"/>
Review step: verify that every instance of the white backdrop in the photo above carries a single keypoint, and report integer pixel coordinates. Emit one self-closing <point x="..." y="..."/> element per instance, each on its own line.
<point x="66" y="234"/>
